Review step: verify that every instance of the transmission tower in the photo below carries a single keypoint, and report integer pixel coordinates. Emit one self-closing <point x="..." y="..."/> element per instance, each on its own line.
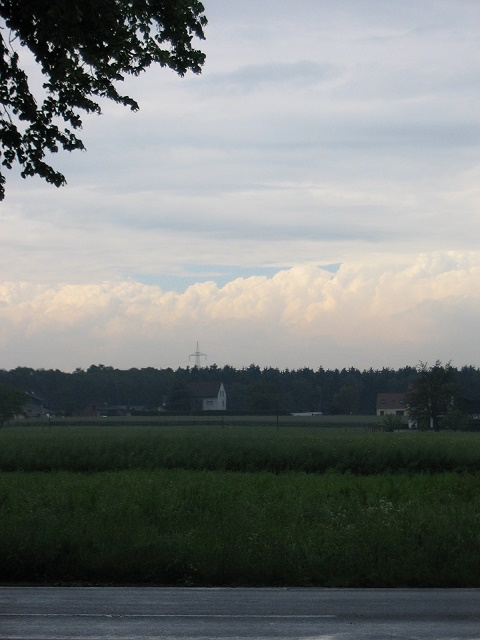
<point x="198" y="355"/>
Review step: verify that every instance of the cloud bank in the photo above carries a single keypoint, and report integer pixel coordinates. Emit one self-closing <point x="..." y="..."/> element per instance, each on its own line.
<point x="363" y="315"/>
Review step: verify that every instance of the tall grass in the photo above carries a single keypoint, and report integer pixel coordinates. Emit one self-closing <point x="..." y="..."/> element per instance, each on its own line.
<point x="117" y="505"/>
<point x="246" y="449"/>
<point x="208" y="528"/>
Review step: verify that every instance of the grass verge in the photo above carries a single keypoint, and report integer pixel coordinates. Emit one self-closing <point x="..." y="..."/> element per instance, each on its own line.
<point x="179" y="527"/>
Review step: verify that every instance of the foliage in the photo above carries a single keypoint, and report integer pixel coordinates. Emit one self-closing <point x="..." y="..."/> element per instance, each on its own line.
<point x="264" y="396"/>
<point x="83" y="49"/>
<point x="241" y="449"/>
<point x="178" y="398"/>
<point x="200" y="528"/>
<point x="303" y="389"/>
<point x="157" y="506"/>
<point x="432" y="393"/>
<point x="346" y="401"/>
<point x="455" y="420"/>
<point x="391" y="422"/>
<point x="11" y="403"/>
<point x="300" y="390"/>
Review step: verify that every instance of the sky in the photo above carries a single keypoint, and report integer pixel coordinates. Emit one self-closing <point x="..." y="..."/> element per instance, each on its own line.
<point x="311" y="199"/>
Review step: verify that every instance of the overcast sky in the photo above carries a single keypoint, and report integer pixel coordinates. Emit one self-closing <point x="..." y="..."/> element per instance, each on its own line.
<point x="312" y="199"/>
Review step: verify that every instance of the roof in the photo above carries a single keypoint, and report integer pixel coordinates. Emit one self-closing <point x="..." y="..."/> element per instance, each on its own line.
<point x="204" y="389"/>
<point x="37" y="398"/>
<point x="391" y="400"/>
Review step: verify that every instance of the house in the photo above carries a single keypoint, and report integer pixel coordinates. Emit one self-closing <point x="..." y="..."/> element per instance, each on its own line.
<point x="36" y="406"/>
<point x="391" y="404"/>
<point x="96" y="408"/>
<point x="207" y="396"/>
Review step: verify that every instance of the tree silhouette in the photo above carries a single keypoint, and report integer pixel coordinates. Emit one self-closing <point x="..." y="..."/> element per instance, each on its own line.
<point x="84" y="49"/>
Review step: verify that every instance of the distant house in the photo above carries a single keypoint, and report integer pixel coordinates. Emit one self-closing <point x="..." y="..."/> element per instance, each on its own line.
<point x="36" y="406"/>
<point x="391" y="404"/>
<point x="96" y="408"/>
<point x="207" y="396"/>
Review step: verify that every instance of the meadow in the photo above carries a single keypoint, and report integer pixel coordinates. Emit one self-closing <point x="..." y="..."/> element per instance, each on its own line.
<point x="239" y="506"/>
<point x="96" y="448"/>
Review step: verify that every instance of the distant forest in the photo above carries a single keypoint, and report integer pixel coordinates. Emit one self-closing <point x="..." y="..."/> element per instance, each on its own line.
<point x="250" y="389"/>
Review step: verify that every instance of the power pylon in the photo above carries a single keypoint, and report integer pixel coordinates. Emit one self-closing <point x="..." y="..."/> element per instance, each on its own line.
<point x="198" y="355"/>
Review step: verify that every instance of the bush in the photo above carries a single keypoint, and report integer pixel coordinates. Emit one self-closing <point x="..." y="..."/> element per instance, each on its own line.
<point x="392" y="423"/>
<point x="454" y="420"/>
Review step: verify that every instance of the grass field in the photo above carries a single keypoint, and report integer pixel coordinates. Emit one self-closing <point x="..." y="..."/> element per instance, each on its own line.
<point x="239" y="506"/>
<point x="245" y="449"/>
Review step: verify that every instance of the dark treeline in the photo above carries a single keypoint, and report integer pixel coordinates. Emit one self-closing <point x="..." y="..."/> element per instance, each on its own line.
<point x="250" y="389"/>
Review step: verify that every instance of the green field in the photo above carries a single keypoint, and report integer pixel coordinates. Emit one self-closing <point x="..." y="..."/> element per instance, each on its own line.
<point x="96" y="448"/>
<point x="199" y="505"/>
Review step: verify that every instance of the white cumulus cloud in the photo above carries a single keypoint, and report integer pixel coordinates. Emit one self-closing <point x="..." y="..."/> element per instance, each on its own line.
<point x="423" y="307"/>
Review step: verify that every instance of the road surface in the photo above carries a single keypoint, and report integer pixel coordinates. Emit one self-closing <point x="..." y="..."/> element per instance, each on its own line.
<point x="125" y="613"/>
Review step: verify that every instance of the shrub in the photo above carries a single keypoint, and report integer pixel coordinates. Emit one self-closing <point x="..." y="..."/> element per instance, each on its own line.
<point x="392" y="423"/>
<point x="455" y="420"/>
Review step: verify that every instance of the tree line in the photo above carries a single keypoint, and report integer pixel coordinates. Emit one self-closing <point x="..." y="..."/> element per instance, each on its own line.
<point x="249" y="389"/>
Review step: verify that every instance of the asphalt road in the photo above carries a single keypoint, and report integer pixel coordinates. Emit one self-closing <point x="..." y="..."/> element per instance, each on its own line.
<point x="124" y="613"/>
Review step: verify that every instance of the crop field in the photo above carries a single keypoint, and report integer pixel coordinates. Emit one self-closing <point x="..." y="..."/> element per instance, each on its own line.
<point x="200" y="505"/>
